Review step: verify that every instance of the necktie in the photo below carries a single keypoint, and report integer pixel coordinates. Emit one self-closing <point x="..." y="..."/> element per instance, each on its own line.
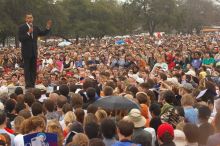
<point x="31" y="26"/>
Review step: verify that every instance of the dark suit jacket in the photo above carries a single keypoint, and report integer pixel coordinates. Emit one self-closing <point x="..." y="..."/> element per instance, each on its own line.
<point x="29" y="44"/>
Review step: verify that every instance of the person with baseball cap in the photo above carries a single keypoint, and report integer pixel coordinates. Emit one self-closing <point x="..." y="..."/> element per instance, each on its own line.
<point x="165" y="135"/>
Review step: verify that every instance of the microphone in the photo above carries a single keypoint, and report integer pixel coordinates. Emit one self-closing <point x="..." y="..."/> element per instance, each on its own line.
<point x="31" y="26"/>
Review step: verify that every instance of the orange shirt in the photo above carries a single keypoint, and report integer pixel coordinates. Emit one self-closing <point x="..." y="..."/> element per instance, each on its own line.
<point x="142" y="63"/>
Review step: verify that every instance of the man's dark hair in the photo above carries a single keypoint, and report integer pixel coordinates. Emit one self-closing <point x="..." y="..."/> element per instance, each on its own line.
<point x="163" y="76"/>
<point x="25" y="113"/>
<point x="92" y="109"/>
<point x="108" y="91"/>
<point x="169" y="96"/>
<point x="64" y="90"/>
<point x="76" y="100"/>
<point x="61" y="101"/>
<point x="13" y="96"/>
<point x="111" y="83"/>
<point x="142" y="139"/>
<point x="205" y="130"/>
<point x="19" y="106"/>
<point x="191" y="132"/>
<point x="167" y="138"/>
<point x="29" y="98"/>
<point x="108" y="128"/>
<point x="36" y="108"/>
<point x="132" y="89"/>
<point x="14" y="75"/>
<point x="66" y="108"/>
<point x="96" y="142"/>
<point x="3" y="117"/>
<point x="74" y="87"/>
<point x="37" y="93"/>
<point x="92" y="130"/>
<point x="152" y="95"/>
<point x="125" y="127"/>
<point x="10" y="105"/>
<point x="91" y="83"/>
<point x="91" y="92"/>
<point x="204" y="112"/>
<point x="80" y="114"/>
<point x="18" y="91"/>
<point x="180" y="111"/>
<point x="88" y="83"/>
<point x="77" y="127"/>
<point x="49" y="105"/>
<point x="155" y="109"/>
<point x="150" y="83"/>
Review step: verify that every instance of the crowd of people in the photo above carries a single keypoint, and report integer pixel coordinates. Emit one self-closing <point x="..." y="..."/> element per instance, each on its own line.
<point x="174" y="79"/>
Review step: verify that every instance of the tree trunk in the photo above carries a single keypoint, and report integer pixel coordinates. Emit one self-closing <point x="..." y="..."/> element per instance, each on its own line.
<point x="151" y="27"/>
<point x="45" y="41"/>
<point x="16" y="42"/>
<point x="77" y="39"/>
<point x="3" y="42"/>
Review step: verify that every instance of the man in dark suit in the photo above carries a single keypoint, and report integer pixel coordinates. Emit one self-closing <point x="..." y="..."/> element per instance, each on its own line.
<point x="28" y="35"/>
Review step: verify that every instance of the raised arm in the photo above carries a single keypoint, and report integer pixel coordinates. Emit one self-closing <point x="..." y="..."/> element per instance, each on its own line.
<point x="46" y="31"/>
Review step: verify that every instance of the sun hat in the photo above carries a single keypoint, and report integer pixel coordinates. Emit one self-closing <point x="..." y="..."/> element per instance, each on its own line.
<point x="135" y="116"/>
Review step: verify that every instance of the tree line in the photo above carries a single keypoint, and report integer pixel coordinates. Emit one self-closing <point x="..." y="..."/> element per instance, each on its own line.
<point x="97" y="18"/>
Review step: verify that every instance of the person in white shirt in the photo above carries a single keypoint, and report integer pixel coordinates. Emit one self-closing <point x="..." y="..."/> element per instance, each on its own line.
<point x="47" y="61"/>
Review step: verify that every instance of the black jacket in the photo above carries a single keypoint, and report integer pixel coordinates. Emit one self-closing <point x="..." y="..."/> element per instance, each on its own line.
<point x="29" y="44"/>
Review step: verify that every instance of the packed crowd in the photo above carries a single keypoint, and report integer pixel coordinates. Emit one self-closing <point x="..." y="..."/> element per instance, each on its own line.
<point x="174" y="80"/>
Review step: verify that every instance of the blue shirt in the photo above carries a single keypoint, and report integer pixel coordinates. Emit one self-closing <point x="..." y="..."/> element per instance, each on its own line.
<point x="79" y="63"/>
<point x="196" y="63"/>
<point x="191" y="115"/>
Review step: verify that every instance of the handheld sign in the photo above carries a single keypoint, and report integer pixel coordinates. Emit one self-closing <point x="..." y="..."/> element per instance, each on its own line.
<point x="41" y="139"/>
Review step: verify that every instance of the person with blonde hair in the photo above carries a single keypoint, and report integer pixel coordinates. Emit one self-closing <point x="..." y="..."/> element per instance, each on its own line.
<point x="191" y="114"/>
<point x="69" y="118"/>
<point x="54" y="126"/>
<point x="100" y="115"/>
<point x="35" y="124"/>
<point x="32" y="125"/>
<point x="17" y="124"/>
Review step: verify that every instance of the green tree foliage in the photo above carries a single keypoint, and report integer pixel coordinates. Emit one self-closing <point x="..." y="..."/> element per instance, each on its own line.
<point x="96" y="18"/>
